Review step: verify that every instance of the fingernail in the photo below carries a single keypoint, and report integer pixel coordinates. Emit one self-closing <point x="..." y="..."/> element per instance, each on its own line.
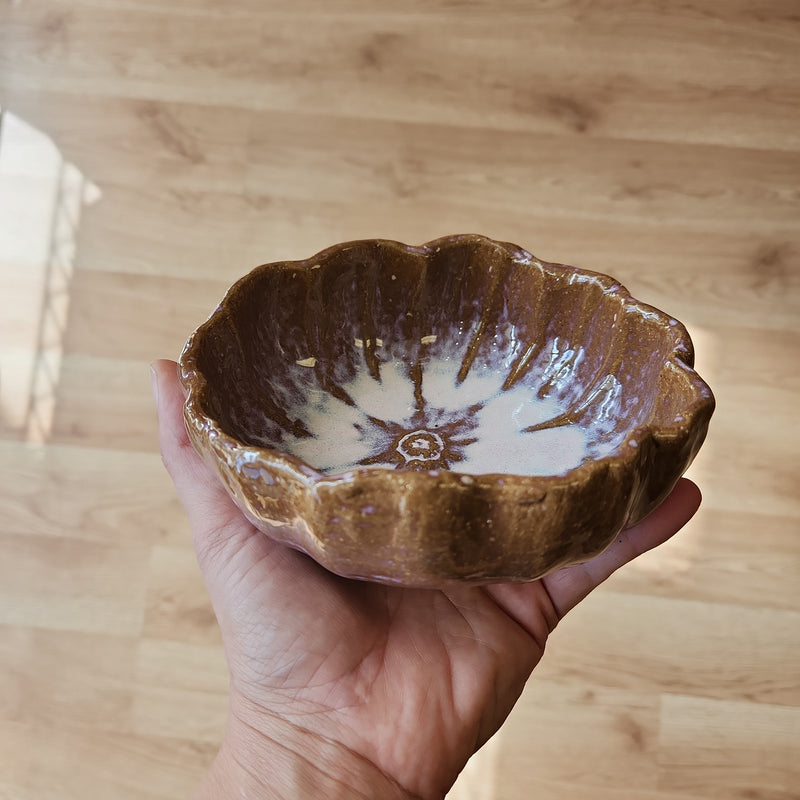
<point x="154" y="382"/>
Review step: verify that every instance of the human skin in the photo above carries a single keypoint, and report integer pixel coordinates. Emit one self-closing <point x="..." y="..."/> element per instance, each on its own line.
<point x="342" y="688"/>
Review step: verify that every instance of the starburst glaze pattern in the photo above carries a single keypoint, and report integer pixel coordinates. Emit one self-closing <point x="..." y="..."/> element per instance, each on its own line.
<point x="435" y="421"/>
<point x="437" y="440"/>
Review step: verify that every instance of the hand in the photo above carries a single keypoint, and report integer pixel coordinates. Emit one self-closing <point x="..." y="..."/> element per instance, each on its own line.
<point x="352" y="689"/>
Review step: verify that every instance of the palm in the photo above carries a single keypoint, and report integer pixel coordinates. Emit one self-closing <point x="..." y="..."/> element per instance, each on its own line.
<point x="355" y="658"/>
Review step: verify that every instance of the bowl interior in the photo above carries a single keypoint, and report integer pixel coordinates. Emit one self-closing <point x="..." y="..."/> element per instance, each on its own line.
<point x="473" y="357"/>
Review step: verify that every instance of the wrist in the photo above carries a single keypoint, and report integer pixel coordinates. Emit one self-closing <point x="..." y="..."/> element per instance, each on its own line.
<point x="285" y="762"/>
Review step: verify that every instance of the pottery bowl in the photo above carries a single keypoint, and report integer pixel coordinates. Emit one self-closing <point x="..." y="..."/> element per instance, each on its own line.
<point x="455" y="412"/>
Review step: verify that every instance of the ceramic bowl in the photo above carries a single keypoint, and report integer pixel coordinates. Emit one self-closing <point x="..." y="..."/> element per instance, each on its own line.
<point x="455" y="412"/>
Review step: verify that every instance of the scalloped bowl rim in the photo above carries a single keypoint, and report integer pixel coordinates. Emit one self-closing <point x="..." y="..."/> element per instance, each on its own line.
<point x="681" y="356"/>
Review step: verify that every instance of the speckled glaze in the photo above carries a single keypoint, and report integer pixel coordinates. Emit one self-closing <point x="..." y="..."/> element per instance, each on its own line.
<point x="455" y="412"/>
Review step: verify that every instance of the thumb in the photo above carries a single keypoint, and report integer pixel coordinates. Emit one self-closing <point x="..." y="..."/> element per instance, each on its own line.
<point x="208" y="505"/>
<point x="569" y="586"/>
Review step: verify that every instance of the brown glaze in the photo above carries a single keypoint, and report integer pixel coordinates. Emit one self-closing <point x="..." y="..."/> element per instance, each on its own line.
<point x="312" y="356"/>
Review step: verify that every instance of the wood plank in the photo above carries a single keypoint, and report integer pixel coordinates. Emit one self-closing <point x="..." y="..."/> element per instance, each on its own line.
<point x="169" y="145"/>
<point x="621" y="737"/>
<point x="94" y="693"/>
<point x="536" y="786"/>
<point x="177" y="607"/>
<point x="189" y="666"/>
<point x="72" y="585"/>
<point x="696" y="186"/>
<point x="724" y="748"/>
<point x="722" y="556"/>
<point x="549" y="71"/>
<point x="758" y="13"/>
<point x="119" y="316"/>
<point x="650" y="644"/>
<point x="175" y="713"/>
<point x="71" y="763"/>
<point x="113" y="512"/>
<point x="183" y="232"/>
<point x="233" y="232"/>
<point x="106" y="403"/>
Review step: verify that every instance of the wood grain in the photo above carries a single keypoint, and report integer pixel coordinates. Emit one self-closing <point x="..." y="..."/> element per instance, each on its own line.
<point x="657" y="142"/>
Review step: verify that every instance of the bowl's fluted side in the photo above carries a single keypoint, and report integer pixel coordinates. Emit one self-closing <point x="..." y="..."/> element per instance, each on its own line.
<point x="335" y="332"/>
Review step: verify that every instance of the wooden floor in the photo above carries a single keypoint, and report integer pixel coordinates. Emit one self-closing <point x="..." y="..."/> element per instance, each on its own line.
<point x="152" y="152"/>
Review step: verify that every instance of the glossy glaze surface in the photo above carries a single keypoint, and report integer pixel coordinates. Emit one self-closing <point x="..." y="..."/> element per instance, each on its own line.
<point x="459" y="411"/>
<point x="438" y="422"/>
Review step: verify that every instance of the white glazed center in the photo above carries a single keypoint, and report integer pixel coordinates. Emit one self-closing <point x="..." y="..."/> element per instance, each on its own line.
<point x="472" y="427"/>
